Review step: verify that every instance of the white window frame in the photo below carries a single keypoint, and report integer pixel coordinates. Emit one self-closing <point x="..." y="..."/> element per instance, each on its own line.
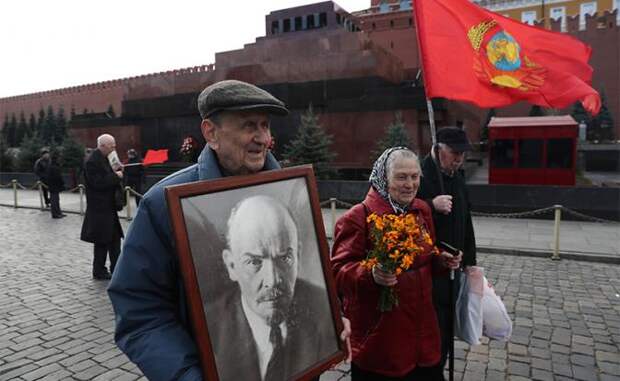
<point x="561" y="15"/>
<point x="588" y="8"/>
<point x="528" y="17"/>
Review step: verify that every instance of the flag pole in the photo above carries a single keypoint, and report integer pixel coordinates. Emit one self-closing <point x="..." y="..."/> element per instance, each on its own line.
<point x="435" y="157"/>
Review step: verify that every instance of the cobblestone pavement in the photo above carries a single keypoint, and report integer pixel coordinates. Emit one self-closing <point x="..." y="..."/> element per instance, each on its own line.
<point x="56" y="322"/>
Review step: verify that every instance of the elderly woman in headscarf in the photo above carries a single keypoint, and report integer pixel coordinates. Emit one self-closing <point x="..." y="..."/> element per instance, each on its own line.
<point x="404" y="343"/>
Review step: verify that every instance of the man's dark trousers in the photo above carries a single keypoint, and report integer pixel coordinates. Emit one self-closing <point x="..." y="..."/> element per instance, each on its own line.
<point x="101" y="250"/>
<point x="55" y="204"/>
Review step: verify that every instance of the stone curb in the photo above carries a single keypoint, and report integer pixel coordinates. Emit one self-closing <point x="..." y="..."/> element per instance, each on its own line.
<point x="570" y="255"/>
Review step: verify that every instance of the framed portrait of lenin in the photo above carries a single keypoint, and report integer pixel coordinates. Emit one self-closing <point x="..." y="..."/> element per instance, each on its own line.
<point x="254" y="259"/>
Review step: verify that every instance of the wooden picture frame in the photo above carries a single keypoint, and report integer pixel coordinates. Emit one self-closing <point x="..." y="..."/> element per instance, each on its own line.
<point x="241" y="283"/>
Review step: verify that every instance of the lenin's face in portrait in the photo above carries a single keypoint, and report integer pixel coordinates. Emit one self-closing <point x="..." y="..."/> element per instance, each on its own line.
<point x="262" y="256"/>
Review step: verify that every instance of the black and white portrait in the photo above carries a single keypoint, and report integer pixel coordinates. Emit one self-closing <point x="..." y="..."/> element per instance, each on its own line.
<point x="257" y="261"/>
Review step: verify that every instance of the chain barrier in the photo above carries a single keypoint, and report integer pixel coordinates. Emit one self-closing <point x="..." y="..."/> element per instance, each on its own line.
<point x="334" y="202"/>
<point x="515" y="215"/>
<point x="575" y="213"/>
<point x="544" y="211"/>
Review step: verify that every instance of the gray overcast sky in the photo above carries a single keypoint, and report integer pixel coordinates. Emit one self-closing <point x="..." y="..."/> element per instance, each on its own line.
<point x="53" y="44"/>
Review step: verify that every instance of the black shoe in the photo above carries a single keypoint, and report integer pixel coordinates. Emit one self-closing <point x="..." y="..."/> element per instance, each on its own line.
<point x="60" y="216"/>
<point x="103" y="276"/>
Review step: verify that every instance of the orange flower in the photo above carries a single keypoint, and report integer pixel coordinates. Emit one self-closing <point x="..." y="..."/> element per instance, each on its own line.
<point x="396" y="241"/>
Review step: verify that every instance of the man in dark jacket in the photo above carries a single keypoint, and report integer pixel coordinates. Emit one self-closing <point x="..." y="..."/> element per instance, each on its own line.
<point x="134" y="173"/>
<point x="40" y="169"/>
<point x="56" y="185"/>
<point x="147" y="291"/>
<point x="101" y="225"/>
<point x="443" y="187"/>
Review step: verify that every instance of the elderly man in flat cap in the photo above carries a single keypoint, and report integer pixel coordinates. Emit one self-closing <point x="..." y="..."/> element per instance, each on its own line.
<point x="152" y="323"/>
<point x="443" y="187"/>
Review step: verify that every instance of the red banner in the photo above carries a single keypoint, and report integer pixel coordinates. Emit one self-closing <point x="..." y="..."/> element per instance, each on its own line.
<point x="155" y="156"/>
<point x="471" y="54"/>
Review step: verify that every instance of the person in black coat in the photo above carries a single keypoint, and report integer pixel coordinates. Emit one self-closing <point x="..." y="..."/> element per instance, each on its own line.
<point x="134" y="173"/>
<point x="40" y="169"/>
<point x="55" y="184"/>
<point x="451" y="214"/>
<point x="101" y="224"/>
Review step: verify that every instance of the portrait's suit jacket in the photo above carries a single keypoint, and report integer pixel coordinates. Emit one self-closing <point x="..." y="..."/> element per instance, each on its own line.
<point x="310" y="334"/>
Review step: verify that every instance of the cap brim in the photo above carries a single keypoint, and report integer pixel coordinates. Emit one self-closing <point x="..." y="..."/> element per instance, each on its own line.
<point x="268" y="108"/>
<point x="461" y="147"/>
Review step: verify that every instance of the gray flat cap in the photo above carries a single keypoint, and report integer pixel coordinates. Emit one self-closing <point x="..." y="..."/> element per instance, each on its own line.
<point x="232" y="95"/>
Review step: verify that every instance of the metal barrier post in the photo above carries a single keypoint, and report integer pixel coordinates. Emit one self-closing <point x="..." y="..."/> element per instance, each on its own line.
<point x="332" y="206"/>
<point x="81" y="189"/>
<point x="40" y="188"/>
<point x="14" y="183"/>
<point x="556" y="232"/>
<point x="128" y="201"/>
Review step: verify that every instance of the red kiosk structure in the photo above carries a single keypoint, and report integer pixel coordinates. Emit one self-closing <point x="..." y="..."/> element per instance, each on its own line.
<point x="533" y="150"/>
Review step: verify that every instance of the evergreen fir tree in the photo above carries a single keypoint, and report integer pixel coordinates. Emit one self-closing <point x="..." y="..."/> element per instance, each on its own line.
<point x="72" y="153"/>
<point x="12" y="132"/>
<point x="49" y="126"/>
<point x="581" y="115"/>
<point x="22" y="129"/>
<point x="311" y="146"/>
<point x="6" y="161"/>
<point x="32" y="125"/>
<point x="536" y="110"/>
<point x="603" y="122"/>
<point x="395" y="135"/>
<point x="40" y="122"/>
<point x="484" y="131"/>
<point x="60" y="132"/>
<point x="5" y="129"/>
<point x="29" y="152"/>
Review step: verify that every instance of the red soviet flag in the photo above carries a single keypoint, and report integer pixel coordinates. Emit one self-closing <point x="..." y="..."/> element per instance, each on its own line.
<point x="155" y="156"/>
<point x="471" y="54"/>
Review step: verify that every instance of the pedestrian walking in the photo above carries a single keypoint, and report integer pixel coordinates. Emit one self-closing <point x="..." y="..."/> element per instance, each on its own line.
<point x="40" y="169"/>
<point x="152" y="325"/>
<point x="443" y="187"/>
<point x="56" y="185"/>
<point x="101" y="225"/>
<point x="134" y="173"/>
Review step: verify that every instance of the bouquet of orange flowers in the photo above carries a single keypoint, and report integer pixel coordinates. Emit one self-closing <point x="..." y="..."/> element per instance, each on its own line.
<point x="396" y="241"/>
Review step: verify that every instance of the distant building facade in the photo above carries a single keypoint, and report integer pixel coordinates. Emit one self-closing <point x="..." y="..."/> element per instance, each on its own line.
<point x="356" y="69"/>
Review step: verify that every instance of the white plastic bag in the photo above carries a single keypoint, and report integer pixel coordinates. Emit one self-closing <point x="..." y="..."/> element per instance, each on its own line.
<point x="468" y="320"/>
<point x="495" y="320"/>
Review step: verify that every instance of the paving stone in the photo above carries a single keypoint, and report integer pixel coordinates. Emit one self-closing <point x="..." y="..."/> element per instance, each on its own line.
<point x="518" y="369"/>
<point x="497" y="364"/>
<point x="90" y="373"/>
<point x="584" y="373"/>
<point x="609" y="377"/>
<point x="541" y="364"/>
<point x="541" y="375"/>
<point x="607" y="356"/>
<point x="517" y="349"/>
<point x="41" y="372"/>
<point x="609" y="368"/>
<point x="583" y="360"/>
<point x="493" y="375"/>
<point x="473" y="376"/>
